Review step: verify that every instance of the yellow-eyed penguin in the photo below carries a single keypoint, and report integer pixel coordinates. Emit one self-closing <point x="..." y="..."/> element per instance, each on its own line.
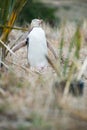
<point x="37" y="46"/>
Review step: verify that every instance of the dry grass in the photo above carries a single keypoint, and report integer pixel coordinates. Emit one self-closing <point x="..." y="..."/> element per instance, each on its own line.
<point x="30" y="100"/>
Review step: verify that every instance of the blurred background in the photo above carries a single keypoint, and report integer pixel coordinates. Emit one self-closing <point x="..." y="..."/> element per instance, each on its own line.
<point x="54" y="11"/>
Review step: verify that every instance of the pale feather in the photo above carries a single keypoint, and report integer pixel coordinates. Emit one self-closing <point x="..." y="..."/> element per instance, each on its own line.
<point x="37" y="49"/>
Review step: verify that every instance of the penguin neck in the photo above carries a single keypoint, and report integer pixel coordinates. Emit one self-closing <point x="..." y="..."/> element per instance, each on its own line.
<point x="36" y="26"/>
<point x="33" y="28"/>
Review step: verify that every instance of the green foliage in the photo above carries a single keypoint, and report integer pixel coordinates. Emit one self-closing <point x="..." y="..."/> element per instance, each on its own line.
<point x="9" y="11"/>
<point x="75" y="42"/>
<point x="37" y="10"/>
<point x="68" y="71"/>
<point x="61" y="45"/>
<point x="6" y="8"/>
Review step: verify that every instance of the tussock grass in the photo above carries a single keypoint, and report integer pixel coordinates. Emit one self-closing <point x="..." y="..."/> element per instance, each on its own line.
<point x="38" y="100"/>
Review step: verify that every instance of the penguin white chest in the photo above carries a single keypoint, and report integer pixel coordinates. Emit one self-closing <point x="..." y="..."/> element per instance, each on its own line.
<point x="37" y="49"/>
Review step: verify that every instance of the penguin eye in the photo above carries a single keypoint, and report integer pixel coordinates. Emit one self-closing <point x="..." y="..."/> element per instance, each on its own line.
<point x="27" y="40"/>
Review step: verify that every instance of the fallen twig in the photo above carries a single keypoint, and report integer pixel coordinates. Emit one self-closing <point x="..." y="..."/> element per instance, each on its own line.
<point x="13" y="44"/>
<point x="7" y="47"/>
<point x="6" y="66"/>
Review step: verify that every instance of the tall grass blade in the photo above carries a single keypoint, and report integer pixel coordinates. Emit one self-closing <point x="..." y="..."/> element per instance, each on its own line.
<point x="13" y="27"/>
<point x="15" y="12"/>
<point x="68" y="55"/>
<point x="54" y="66"/>
<point x="6" y="66"/>
<point x="77" y="42"/>
<point x="69" y="79"/>
<point x="61" y="46"/>
<point x="10" y="9"/>
<point x="7" y="47"/>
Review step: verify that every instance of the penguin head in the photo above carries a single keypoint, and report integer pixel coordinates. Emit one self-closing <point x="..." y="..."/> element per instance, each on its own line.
<point x="36" y="22"/>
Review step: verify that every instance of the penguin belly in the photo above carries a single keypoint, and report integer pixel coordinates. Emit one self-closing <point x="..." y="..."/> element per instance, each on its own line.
<point x="37" y="49"/>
